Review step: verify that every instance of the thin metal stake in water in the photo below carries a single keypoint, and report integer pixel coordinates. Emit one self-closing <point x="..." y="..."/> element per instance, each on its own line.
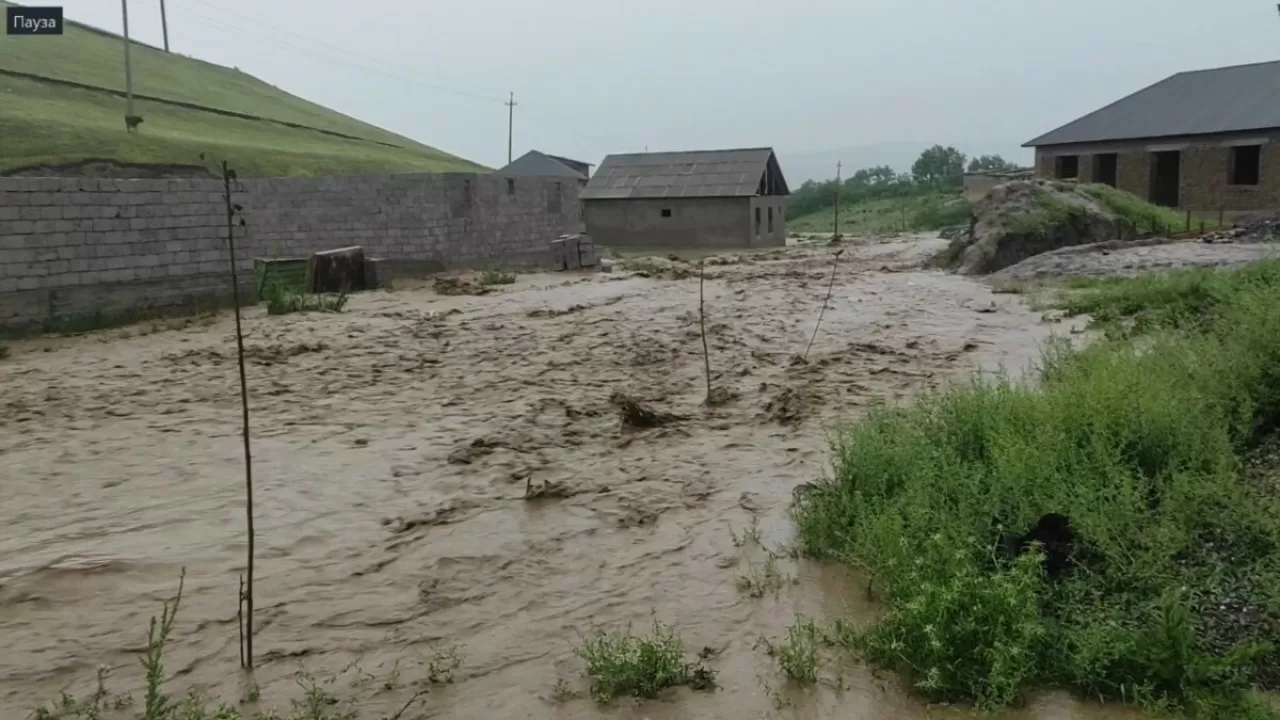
<point x="827" y="299"/>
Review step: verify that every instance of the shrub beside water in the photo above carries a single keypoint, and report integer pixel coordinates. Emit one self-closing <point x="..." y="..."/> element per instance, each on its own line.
<point x="282" y="301"/>
<point x="620" y="664"/>
<point x="1176" y="600"/>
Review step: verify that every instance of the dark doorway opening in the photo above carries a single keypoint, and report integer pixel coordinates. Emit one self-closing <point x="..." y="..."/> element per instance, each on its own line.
<point x="1066" y="167"/>
<point x="1105" y="168"/>
<point x="1166" y="172"/>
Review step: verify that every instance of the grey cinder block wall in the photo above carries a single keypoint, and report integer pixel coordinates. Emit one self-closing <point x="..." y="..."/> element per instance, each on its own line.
<point x="79" y="246"/>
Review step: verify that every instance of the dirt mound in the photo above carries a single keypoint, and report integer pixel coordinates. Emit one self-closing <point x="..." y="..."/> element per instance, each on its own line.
<point x="637" y="415"/>
<point x="1023" y="218"/>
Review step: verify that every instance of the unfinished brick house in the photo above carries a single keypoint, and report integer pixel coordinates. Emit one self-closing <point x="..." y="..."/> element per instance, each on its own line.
<point x="1206" y="141"/>
<point x="703" y="199"/>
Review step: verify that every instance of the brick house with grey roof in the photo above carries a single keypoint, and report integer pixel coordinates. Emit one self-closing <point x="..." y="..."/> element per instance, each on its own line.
<point x="1205" y="140"/>
<point x="701" y="199"/>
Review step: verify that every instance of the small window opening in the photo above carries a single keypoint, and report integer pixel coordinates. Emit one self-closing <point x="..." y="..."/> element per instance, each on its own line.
<point x="1066" y="167"/>
<point x="770" y="220"/>
<point x="666" y="212"/>
<point x="757" y="221"/>
<point x="554" y="198"/>
<point x="1245" y="165"/>
<point x="511" y="186"/>
<point x="1105" y="168"/>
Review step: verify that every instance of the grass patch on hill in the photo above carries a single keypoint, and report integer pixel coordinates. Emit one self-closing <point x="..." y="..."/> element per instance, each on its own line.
<point x="929" y="211"/>
<point x="58" y="125"/>
<point x="1171" y="596"/>
<point x="51" y="124"/>
<point x="1143" y="215"/>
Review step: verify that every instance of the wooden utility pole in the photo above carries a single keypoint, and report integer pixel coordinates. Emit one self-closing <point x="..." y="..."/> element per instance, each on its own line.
<point x="511" y="115"/>
<point x="836" y="232"/>
<point x="164" y="26"/>
<point x="128" y="67"/>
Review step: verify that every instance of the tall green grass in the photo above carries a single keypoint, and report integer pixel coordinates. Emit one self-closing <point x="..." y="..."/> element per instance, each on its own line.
<point x="1145" y="216"/>
<point x="1176" y="603"/>
<point x="1176" y="299"/>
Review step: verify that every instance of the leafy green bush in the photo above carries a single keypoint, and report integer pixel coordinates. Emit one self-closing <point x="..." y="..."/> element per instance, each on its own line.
<point x="1140" y="447"/>
<point x="622" y="664"/>
<point x="497" y="277"/>
<point x="282" y="301"/>
<point x="798" y="655"/>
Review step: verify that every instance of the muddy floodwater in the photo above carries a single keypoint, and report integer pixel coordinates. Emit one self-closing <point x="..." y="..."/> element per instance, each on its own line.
<point x="393" y="448"/>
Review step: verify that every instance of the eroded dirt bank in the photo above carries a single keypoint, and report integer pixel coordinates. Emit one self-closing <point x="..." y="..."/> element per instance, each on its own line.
<point x="393" y="447"/>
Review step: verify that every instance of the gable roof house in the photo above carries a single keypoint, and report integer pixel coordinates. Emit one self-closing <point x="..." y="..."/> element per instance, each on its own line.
<point x="704" y="199"/>
<point x="1204" y="140"/>
<point x="539" y="164"/>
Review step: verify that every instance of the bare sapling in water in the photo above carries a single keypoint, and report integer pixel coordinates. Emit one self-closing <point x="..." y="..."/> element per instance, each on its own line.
<point x="246" y="596"/>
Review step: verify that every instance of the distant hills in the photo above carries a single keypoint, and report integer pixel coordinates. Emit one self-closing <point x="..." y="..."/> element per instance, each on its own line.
<point x="62" y="107"/>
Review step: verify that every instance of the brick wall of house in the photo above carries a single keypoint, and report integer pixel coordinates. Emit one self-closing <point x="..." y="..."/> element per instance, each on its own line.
<point x="1133" y="172"/>
<point x="1204" y="185"/>
<point x="79" y="246"/>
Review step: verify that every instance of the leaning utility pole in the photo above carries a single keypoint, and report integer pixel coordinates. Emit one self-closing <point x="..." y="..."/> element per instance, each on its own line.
<point x="164" y="26"/>
<point x="511" y="114"/>
<point x="836" y="232"/>
<point x="128" y="68"/>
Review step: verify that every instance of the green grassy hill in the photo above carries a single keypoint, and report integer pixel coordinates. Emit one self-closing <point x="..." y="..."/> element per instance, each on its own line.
<point x="46" y="123"/>
<point x="926" y="211"/>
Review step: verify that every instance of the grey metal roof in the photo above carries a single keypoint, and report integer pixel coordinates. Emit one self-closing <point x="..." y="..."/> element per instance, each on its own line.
<point x="583" y="167"/>
<point x="701" y="173"/>
<point x="536" y="164"/>
<point x="1199" y="102"/>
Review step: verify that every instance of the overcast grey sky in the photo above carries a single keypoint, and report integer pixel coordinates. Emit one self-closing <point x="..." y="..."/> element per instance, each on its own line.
<point x="811" y="78"/>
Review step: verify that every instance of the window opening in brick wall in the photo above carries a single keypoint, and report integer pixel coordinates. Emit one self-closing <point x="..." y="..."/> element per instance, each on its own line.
<point x="1245" y="165"/>
<point x="1066" y="167"/>
<point x="666" y="212"/>
<point x="511" y="186"/>
<point x="1105" y="168"/>
<point x="771" y="220"/>
<point x="554" y="198"/>
<point x="757" y="221"/>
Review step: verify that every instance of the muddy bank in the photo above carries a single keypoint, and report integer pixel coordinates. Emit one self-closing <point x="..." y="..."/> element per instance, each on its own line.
<point x="394" y="447"/>
<point x="1131" y="258"/>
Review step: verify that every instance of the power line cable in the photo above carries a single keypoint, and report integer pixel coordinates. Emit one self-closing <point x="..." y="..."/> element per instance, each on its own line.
<point x="350" y="56"/>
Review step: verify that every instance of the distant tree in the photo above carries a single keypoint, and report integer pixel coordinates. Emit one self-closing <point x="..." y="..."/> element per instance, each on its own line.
<point x="990" y="162"/>
<point x="879" y="175"/>
<point x="939" y="166"/>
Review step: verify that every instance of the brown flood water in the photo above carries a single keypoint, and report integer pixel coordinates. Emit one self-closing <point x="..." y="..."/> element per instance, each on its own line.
<point x="122" y="464"/>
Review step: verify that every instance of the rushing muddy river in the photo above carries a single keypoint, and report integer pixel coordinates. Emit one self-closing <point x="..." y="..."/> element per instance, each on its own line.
<point x="394" y="445"/>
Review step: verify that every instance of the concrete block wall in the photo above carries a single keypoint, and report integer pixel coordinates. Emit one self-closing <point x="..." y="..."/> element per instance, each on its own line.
<point x="73" y="247"/>
<point x="1204" y="182"/>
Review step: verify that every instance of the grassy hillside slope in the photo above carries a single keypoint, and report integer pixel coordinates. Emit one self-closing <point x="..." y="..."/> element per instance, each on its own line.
<point x="56" y="124"/>
<point x="926" y="211"/>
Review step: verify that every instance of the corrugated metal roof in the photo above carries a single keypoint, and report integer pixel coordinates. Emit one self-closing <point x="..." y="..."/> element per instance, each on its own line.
<point x="700" y="173"/>
<point x="1199" y="102"/>
<point x="537" y="164"/>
